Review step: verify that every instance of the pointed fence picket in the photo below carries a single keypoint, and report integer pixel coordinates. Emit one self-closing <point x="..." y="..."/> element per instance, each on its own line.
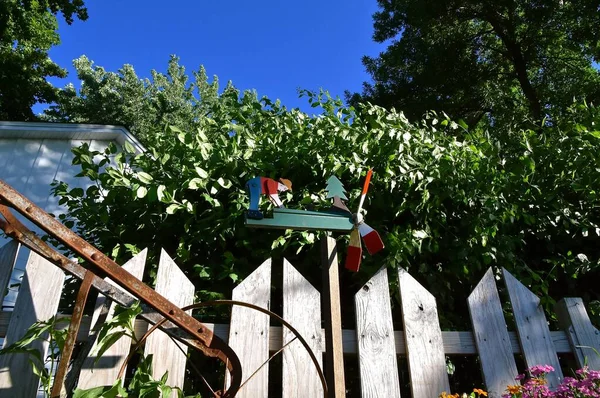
<point x="532" y="327"/>
<point x="38" y="300"/>
<point x="491" y="336"/>
<point x="374" y="341"/>
<point x="104" y="370"/>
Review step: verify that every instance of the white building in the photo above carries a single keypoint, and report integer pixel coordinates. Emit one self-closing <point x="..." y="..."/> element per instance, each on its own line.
<point x="32" y="156"/>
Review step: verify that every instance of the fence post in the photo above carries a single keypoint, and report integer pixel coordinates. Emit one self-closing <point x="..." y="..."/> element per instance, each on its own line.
<point x="332" y="315"/>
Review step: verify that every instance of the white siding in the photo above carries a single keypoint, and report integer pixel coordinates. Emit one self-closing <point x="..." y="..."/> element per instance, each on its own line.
<point x="30" y="166"/>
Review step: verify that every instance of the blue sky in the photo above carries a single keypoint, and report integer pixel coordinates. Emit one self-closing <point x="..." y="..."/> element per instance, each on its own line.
<point x="271" y="46"/>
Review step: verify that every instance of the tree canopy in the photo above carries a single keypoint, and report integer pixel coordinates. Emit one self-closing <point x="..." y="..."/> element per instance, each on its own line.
<point x="448" y="201"/>
<point x="28" y="29"/>
<point x="507" y="59"/>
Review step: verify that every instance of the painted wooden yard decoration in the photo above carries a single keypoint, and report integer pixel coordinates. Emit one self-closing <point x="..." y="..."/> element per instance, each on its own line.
<point x="337" y="219"/>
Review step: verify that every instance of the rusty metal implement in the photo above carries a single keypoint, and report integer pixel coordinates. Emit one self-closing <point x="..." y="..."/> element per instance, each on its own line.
<point x="181" y="325"/>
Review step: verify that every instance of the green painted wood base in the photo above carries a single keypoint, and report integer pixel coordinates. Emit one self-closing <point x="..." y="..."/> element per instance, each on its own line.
<point x="304" y="220"/>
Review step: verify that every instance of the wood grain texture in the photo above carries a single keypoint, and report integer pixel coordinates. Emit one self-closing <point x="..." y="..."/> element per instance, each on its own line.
<point x="37" y="301"/>
<point x="332" y="317"/>
<point x="491" y="336"/>
<point x="249" y="332"/>
<point x="583" y="336"/>
<point x="424" y="344"/>
<point x="375" y="334"/>
<point x="106" y="370"/>
<point x="172" y="284"/>
<point x="8" y="257"/>
<point x="455" y="343"/>
<point x="532" y="328"/>
<point x="302" y="309"/>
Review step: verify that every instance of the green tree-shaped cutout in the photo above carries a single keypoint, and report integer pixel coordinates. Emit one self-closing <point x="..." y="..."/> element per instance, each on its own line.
<point x="335" y="188"/>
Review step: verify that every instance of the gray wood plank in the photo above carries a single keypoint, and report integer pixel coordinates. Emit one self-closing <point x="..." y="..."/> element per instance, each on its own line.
<point x="8" y="257"/>
<point x="491" y="336"/>
<point x="424" y="344"/>
<point x="302" y="309"/>
<point x="106" y="370"/>
<point x="249" y="331"/>
<point x="169" y="355"/>
<point x="332" y="317"/>
<point x="37" y="301"/>
<point x="583" y="336"/>
<point x="532" y="329"/>
<point x="375" y="334"/>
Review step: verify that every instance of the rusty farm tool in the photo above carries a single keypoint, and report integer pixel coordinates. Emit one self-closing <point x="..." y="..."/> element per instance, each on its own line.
<point x="179" y="324"/>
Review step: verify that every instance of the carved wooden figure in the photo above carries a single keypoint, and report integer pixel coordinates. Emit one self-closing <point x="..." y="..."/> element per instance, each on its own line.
<point x="266" y="186"/>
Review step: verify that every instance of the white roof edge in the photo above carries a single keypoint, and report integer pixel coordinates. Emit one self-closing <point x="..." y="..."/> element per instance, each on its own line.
<point x="69" y="131"/>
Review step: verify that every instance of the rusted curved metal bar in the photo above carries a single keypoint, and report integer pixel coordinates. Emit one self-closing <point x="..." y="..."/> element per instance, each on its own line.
<point x="232" y="303"/>
<point x="209" y="344"/>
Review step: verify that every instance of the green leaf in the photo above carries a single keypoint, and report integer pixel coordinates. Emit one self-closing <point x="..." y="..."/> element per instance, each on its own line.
<point x="141" y="192"/>
<point x="160" y="193"/>
<point x="224" y="183"/>
<point x="144" y="177"/>
<point x="195" y="183"/>
<point x="201" y="172"/>
<point x="128" y="147"/>
<point x="173" y="208"/>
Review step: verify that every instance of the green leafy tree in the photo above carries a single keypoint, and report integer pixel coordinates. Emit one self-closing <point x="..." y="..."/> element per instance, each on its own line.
<point x="507" y="59"/>
<point x="28" y="29"/>
<point x="449" y="202"/>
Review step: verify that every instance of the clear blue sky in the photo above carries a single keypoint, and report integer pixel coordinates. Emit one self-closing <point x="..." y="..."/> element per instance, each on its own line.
<point x="271" y="46"/>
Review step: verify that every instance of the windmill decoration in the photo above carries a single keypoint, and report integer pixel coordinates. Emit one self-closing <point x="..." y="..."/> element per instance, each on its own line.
<point x="372" y="240"/>
<point x="339" y="218"/>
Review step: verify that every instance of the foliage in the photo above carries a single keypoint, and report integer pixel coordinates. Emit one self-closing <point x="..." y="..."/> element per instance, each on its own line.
<point x="138" y="104"/>
<point x="468" y="58"/>
<point x="28" y="29"/>
<point x="448" y="201"/>
<point x="142" y="385"/>
<point x="585" y="384"/>
<point x="54" y="332"/>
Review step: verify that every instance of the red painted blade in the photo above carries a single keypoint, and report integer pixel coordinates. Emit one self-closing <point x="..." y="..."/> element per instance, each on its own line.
<point x="371" y="238"/>
<point x="354" y="254"/>
<point x="353" y="258"/>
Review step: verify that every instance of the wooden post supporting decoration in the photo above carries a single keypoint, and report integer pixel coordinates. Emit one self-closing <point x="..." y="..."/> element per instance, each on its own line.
<point x="332" y="313"/>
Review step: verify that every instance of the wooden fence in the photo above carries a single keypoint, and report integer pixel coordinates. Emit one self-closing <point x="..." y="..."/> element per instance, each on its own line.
<point x="375" y="341"/>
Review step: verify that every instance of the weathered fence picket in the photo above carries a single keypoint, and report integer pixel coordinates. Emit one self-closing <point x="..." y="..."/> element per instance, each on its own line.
<point x="375" y="335"/>
<point x="8" y="257"/>
<point x="374" y="340"/>
<point x="104" y="371"/>
<point x="583" y="337"/>
<point x="491" y="336"/>
<point x="38" y="300"/>
<point x="424" y="343"/>
<point x="532" y="328"/>
<point x="168" y="354"/>
<point x="249" y="331"/>
<point x="302" y="309"/>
